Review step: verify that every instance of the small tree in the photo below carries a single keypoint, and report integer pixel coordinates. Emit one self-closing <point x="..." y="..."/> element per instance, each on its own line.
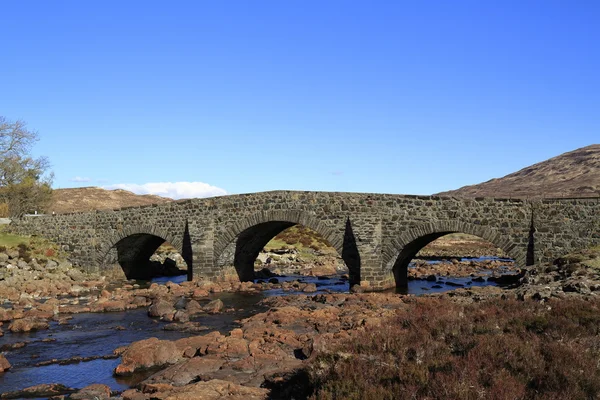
<point x="25" y="182"/>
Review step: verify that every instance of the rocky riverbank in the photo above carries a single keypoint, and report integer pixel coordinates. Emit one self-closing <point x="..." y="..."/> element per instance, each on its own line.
<point x="266" y="354"/>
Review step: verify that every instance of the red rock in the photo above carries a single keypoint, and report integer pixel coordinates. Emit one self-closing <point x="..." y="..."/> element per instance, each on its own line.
<point x="199" y="293"/>
<point x="197" y="345"/>
<point x="214" y="306"/>
<point x="310" y="288"/>
<point x="214" y="390"/>
<point x="230" y="346"/>
<point x="193" y="307"/>
<point x="95" y="391"/>
<point x="44" y="390"/>
<point x="27" y="324"/>
<point x="184" y="372"/>
<point x="161" y="308"/>
<point x="146" y="354"/>
<point x="132" y="394"/>
<point x="5" y="315"/>
<point x="140" y="301"/>
<point x="181" y="316"/>
<point x="4" y="364"/>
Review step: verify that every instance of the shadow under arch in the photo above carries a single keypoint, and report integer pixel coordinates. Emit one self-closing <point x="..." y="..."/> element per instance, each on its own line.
<point x="133" y="246"/>
<point x="251" y="234"/>
<point x="412" y="241"/>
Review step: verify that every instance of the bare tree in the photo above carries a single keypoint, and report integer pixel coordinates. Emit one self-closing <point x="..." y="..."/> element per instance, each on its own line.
<point x="25" y="182"/>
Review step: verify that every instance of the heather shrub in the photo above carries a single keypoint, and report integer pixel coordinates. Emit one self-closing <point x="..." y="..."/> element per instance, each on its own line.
<point x="501" y="349"/>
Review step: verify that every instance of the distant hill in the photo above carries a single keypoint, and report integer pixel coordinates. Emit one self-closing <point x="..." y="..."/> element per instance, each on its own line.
<point x="95" y="198"/>
<point x="572" y="174"/>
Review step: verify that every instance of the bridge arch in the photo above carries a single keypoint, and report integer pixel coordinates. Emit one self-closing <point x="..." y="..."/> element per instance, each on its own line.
<point x="132" y="246"/>
<point x="405" y="247"/>
<point x="251" y="234"/>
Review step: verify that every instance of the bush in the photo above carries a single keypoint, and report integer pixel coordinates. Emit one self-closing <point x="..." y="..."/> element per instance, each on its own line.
<point x="501" y="349"/>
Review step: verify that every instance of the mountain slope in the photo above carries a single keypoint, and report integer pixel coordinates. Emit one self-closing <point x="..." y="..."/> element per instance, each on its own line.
<point x="572" y="174"/>
<point x="95" y="198"/>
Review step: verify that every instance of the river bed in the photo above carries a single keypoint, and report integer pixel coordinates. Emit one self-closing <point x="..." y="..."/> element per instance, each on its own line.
<point x="99" y="334"/>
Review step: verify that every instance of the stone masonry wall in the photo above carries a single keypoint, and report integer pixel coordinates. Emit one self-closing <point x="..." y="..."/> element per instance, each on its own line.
<point x="377" y="226"/>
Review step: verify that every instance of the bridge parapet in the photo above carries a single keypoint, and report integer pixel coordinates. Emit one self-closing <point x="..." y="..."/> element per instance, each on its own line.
<point x="374" y="233"/>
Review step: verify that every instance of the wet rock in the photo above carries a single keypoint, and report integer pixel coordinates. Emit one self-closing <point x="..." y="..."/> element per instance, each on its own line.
<point x="181" y="316"/>
<point x="181" y="303"/>
<point x="45" y="390"/>
<point x="4" y="364"/>
<point x="27" y="325"/>
<point x="13" y="346"/>
<point x="310" y="288"/>
<point x="95" y="391"/>
<point x="109" y="306"/>
<point x="147" y="354"/>
<point x="185" y="327"/>
<point x="214" y="306"/>
<point x="161" y="308"/>
<point x="193" y="307"/>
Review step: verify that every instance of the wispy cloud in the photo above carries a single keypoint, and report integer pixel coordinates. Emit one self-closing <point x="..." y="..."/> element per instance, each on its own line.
<point x="337" y="173"/>
<point x="174" y="190"/>
<point x="80" y="179"/>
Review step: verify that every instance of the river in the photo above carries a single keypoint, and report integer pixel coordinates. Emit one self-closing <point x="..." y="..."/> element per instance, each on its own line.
<point x="99" y="334"/>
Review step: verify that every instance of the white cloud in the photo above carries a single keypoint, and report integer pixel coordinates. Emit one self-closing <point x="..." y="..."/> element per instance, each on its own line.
<point x="174" y="190"/>
<point x="80" y="179"/>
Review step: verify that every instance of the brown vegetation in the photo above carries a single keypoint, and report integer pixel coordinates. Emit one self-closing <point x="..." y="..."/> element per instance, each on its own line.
<point x="95" y="198"/>
<point x="501" y="349"/>
<point x="572" y="174"/>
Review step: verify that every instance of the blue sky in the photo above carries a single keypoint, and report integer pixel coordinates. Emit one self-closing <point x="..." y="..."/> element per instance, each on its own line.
<point x="243" y="96"/>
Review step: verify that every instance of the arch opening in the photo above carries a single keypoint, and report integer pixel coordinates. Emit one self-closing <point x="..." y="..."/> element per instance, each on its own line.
<point x="282" y="248"/>
<point x="144" y="256"/>
<point x="449" y="259"/>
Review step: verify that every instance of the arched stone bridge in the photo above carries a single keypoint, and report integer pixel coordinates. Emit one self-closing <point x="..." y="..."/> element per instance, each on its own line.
<point x="376" y="234"/>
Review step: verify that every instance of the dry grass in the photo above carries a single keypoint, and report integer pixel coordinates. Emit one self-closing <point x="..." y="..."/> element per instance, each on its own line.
<point x="572" y="174"/>
<point x="94" y="198"/>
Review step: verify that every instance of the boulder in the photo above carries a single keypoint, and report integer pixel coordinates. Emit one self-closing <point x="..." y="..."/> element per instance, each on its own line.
<point x="4" y="364"/>
<point x="44" y="390"/>
<point x="76" y="275"/>
<point x="193" y="307"/>
<point x="147" y="354"/>
<point x="186" y="371"/>
<point x="27" y="325"/>
<point x="161" y="308"/>
<point x="310" y="288"/>
<point x="95" y="391"/>
<point x="214" y="306"/>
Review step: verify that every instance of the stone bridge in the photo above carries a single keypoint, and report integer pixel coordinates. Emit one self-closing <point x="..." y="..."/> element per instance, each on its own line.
<point x="376" y="234"/>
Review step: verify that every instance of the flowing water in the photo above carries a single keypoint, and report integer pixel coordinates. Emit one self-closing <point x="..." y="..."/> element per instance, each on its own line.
<point x="98" y="334"/>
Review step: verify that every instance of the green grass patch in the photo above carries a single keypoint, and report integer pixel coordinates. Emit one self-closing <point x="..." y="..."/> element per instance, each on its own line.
<point x="30" y="246"/>
<point x="9" y="240"/>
